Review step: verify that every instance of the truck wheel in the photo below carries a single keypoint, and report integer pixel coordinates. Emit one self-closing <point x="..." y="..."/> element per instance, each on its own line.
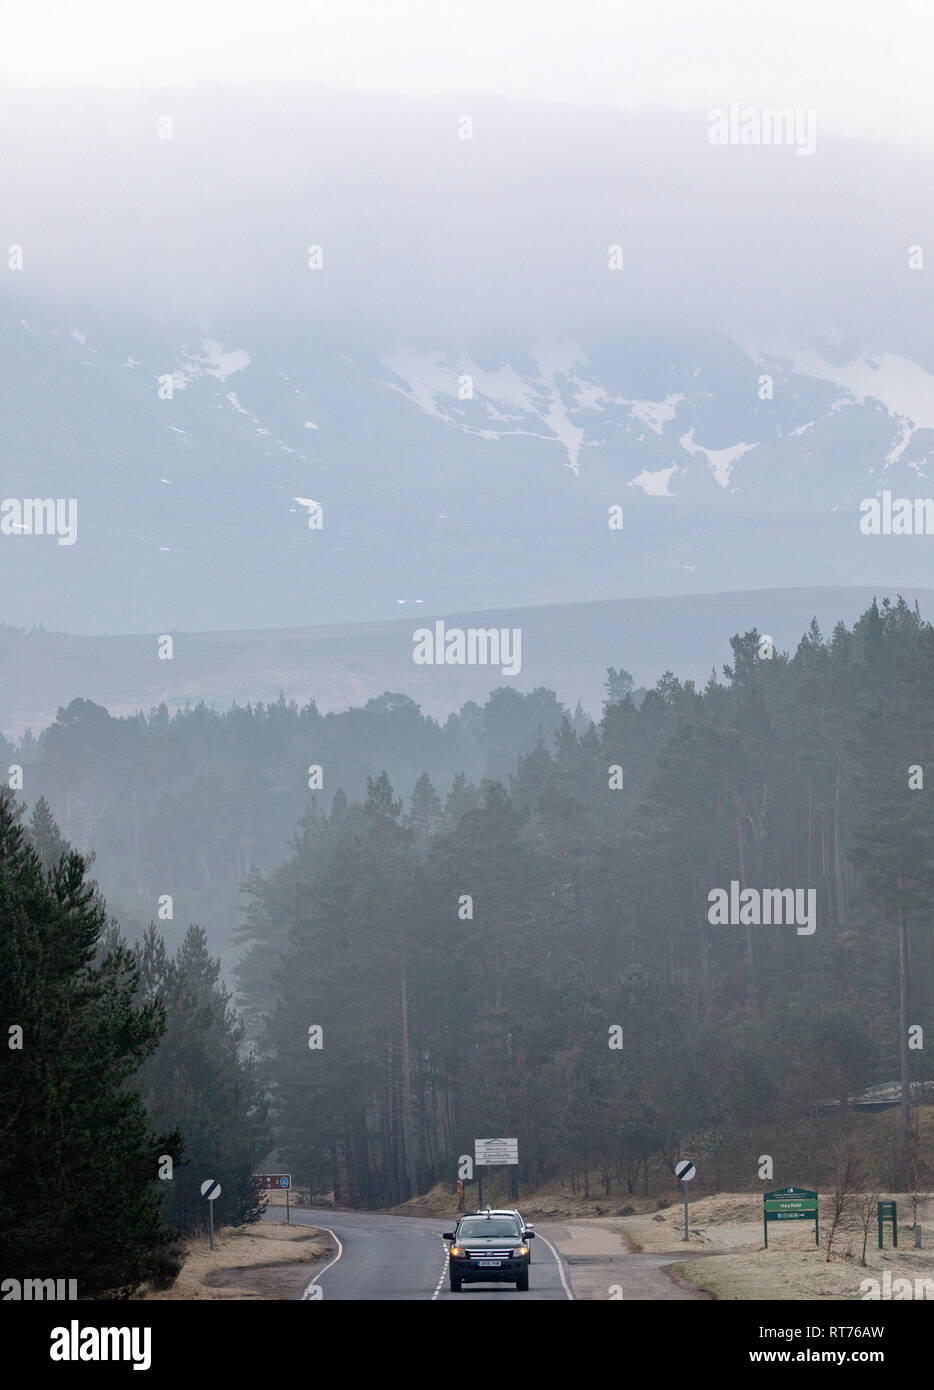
<point x="455" y="1285"/>
<point x="523" y="1284"/>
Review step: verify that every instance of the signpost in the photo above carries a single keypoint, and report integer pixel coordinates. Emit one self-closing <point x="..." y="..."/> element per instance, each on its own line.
<point x="684" y="1172"/>
<point x="886" y="1212"/>
<point x="212" y="1190"/>
<point x="493" y="1153"/>
<point x="279" y="1182"/>
<point x="790" y="1204"/>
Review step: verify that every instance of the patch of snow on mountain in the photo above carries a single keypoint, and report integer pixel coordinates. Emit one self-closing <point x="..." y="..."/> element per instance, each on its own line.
<point x="434" y="378"/>
<point x="904" y="388"/>
<point x="434" y="381"/>
<point x="655" y="414"/>
<point x="220" y="363"/>
<point x="656" y="484"/>
<point x="719" y="461"/>
<point x="215" y="361"/>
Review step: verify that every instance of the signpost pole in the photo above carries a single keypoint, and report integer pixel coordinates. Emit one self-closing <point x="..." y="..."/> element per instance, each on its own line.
<point x="288" y="1218"/>
<point x="211" y="1189"/>
<point x="684" y="1172"/>
<point x="479" y="1191"/>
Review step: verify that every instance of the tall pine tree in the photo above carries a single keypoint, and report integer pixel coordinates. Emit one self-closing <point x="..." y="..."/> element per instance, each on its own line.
<point x="78" y="1162"/>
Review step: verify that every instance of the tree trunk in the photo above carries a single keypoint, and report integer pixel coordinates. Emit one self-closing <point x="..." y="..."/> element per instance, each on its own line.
<point x="903" y="1025"/>
<point x="750" y="954"/>
<point x="700" y="917"/>
<point x="408" y="1143"/>
<point x="839" y="882"/>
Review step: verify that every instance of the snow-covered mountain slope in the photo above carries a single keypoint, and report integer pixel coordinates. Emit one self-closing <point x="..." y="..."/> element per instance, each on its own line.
<point x="236" y="477"/>
<point x="561" y="402"/>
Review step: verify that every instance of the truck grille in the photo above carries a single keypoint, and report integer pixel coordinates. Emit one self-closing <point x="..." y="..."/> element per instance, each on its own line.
<point x="490" y="1254"/>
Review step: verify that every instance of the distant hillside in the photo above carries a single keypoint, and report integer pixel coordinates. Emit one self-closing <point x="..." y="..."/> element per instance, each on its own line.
<point x="566" y="647"/>
<point x="195" y="512"/>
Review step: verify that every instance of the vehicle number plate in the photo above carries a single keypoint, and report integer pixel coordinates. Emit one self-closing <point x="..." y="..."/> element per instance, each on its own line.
<point x="490" y="1264"/>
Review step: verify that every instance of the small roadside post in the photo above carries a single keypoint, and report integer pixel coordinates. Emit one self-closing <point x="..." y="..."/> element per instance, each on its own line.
<point x="212" y="1190"/>
<point x="684" y="1172"/>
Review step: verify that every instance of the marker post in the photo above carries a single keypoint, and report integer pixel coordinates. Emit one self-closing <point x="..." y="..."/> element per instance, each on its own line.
<point x="211" y="1189"/>
<point x="684" y="1172"/>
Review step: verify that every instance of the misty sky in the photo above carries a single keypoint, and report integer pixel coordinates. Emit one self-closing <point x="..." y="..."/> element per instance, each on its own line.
<point x="865" y="65"/>
<point x="337" y="124"/>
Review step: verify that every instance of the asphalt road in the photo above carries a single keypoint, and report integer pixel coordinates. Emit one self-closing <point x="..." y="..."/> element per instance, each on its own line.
<point x="404" y="1257"/>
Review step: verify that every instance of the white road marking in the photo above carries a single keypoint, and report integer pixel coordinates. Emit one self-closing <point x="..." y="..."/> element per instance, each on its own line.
<point x="444" y="1270"/>
<point x="340" y="1251"/>
<point x="567" y="1289"/>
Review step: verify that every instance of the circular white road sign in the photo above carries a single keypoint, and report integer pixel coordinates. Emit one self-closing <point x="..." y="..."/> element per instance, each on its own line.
<point x="685" y="1170"/>
<point x="211" y="1189"/>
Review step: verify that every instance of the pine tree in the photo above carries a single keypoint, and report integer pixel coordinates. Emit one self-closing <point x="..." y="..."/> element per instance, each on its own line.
<point x="71" y="1110"/>
<point x="618" y="685"/>
<point x="198" y="1082"/>
<point x="45" y="836"/>
<point x="426" y="812"/>
<point x="893" y="847"/>
<point x="462" y="797"/>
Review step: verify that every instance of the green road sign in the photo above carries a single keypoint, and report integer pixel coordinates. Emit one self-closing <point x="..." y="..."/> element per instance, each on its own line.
<point x="886" y="1212"/>
<point x="790" y="1204"/>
